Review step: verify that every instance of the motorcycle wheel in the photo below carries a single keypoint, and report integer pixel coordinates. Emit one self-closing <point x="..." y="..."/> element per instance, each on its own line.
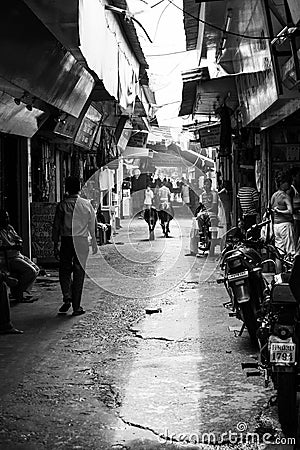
<point x="287" y="402"/>
<point x="249" y="319"/>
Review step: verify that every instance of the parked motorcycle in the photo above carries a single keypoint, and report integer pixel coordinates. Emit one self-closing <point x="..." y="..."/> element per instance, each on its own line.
<point x="278" y="337"/>
<point x="243" y="280"/>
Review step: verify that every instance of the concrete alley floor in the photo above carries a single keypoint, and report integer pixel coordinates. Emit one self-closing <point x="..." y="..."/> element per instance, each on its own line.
<point x="151" y="363"/>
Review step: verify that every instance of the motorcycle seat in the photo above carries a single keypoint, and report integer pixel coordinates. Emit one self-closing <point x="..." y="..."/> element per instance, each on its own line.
<point x="282" y="294"/>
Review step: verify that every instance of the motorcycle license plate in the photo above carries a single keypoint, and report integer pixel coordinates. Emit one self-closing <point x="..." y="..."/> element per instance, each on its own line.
<point x="237" y="276"/>
<point x="282" y="353"/>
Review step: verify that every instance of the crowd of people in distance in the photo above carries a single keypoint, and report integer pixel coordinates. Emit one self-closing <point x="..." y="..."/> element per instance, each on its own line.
<point x="216" y="204"/>
<point x="77" y="220"/>
<point x="187" y="193"/>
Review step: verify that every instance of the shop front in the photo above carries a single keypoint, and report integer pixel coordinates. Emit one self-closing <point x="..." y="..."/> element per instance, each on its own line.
<point x="15" y="183"/>
<point x="284" y="147"/>
<point x="265" y="77"/>
<point x="39" y="78"/>
<point x="62" y="147"/>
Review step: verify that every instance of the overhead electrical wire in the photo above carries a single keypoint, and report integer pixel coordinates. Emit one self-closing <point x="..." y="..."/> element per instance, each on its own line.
<point x="170" y="53"/>
<point x="216" y="27"/>
<point x="158" y="3"/>
<point x="167" y="104"/>
<point x="159" y="19"/>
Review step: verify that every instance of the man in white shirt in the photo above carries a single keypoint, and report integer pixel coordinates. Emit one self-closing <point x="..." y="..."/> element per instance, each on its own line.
<point x="74" y="220"/>
<point x="166" y="212"/>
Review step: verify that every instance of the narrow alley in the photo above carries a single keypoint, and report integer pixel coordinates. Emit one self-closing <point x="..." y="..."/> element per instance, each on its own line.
<point x="118" y="116"/>
<point x="151" y="363"/>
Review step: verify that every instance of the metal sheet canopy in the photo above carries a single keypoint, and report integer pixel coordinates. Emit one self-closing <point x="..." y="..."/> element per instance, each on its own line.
<point x="203" y="95"/>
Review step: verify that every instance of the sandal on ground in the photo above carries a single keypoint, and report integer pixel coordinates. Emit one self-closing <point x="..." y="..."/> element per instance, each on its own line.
<point x="11" y="331"/>
<point x="65" y="307"/>
<point x="28" y="299"/>
<point x="78" y="312"/>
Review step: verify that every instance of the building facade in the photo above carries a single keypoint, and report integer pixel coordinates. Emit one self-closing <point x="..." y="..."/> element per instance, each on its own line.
<point x="251" y="53"/>
<point x="73" y="86"/>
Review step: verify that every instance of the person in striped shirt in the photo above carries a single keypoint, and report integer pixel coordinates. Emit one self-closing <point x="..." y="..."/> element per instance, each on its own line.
<point x="248" y="203"/>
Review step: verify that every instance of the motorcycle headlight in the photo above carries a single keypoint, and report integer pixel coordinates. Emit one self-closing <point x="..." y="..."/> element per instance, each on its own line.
<point x="283" y="332"/>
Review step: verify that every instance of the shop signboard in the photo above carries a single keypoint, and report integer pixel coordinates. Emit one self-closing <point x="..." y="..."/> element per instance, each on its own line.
<point x="137" y="139"/>
<point x="124" y="138"/>
<point x="257" y="92"/>
<point x="210" y="136"/>
<point x="88" y="128"/>
<point x="66" y="126"/>
<point x="285" y="152"/>
<point x="42" y="215"/>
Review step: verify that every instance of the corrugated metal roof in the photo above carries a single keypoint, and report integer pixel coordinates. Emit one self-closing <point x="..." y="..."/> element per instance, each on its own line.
<point x="191" y="24"/>
<point x="131" y="34"/>
<point x="200" y="73"/>
<point x="61" y="17"/>
<point x="203" y="95"/>
<point x="189" y="91"/>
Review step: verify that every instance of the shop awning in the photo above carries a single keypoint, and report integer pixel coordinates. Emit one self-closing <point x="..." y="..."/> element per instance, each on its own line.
<point x="135" y="152"/>
<point x="191" y="80"/>
<point x="196" y="159"/>
<point x="176" y="157"/>
<point x="17" y="119"/>
<point x="32" y="59"/>
<point x="61" y="18"/>
<point x="111" y="49"/>
<point x="202" y="95"/>
<point x="162" y="159"/>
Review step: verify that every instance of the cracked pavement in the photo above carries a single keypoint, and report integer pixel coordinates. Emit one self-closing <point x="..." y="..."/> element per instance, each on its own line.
<point x="151" y="365"/>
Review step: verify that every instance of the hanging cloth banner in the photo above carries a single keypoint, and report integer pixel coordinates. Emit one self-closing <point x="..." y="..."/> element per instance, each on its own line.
<point x="106" y="179"/>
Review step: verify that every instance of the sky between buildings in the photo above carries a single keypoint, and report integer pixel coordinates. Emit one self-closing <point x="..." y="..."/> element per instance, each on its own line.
<point x="164" y="25"/>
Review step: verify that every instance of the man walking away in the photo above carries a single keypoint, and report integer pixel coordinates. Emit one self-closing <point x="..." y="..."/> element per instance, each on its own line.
<point x="164" y="194"/>
<point x="74" y="220"/>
